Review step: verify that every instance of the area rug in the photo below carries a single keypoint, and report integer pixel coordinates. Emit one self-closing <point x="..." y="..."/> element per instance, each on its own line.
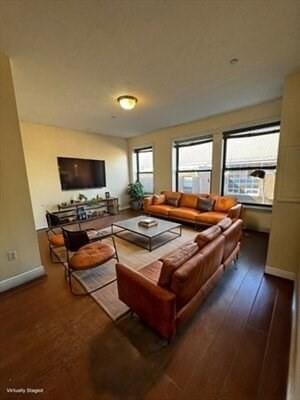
<point x="130" y="254"/>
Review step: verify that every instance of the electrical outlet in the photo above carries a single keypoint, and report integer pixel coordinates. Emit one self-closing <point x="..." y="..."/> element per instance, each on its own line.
<point x="12" y="255"/>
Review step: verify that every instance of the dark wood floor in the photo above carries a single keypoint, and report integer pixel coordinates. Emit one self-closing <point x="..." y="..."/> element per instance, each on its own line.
<point x="235" y="348"/>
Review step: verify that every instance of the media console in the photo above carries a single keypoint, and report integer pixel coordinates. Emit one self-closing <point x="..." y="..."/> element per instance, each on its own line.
<point x="80" y="212"/>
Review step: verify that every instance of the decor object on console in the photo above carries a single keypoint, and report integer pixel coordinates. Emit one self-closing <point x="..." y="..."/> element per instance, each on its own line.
<point x="200" y="209"/>
<point x="82" y="197"/>
<point x="136" y="193"/>
<point x="167" y="292"/>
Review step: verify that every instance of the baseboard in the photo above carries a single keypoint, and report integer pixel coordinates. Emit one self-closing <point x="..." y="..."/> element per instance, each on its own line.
<point x="123" y="208"/>
<point x="256" y="229"/>
<point x="19" y="279"/>
<point x="281" y="273"/>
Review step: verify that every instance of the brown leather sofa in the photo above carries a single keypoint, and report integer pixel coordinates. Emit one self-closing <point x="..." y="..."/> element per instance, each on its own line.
<point x="200" y="209"/>
<point x="167" y="292"/>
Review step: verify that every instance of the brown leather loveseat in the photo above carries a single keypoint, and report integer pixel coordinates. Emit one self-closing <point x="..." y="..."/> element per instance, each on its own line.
<point x="166" y="292"/>
<point x="200" y="209"/>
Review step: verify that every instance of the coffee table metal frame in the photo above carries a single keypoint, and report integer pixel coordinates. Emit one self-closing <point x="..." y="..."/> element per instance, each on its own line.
<point x="150" y="247"/>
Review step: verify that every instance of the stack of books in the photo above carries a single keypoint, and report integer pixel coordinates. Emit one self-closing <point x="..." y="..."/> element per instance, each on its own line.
<point x="148" y="222"/>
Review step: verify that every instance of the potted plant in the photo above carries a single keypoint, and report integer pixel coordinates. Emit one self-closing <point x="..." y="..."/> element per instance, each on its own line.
<point x="136" y="193"/>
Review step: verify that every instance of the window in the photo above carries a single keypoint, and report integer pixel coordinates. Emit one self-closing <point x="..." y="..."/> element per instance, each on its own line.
<point x="144" y="168"/>
<point x="250" y="160"/>
<point x="193" y="165"/>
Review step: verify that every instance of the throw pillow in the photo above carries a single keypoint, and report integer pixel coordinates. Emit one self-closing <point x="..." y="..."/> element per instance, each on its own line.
<point x="205" y="204"/>
<point x="172" y="201"/>
<point x="224" y="203"/>
<point x="174" y="260"/>
<point x="159" y="199"/>
<point x="207" y="235"/>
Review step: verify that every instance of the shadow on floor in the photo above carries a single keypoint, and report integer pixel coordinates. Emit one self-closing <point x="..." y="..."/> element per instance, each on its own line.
<point x="127" y="359"/>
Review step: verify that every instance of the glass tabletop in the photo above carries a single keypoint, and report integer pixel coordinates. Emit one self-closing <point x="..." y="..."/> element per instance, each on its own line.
<point x="132" y="225"/>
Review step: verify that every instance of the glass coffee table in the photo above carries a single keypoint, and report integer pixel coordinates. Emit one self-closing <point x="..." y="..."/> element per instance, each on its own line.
<point x="148" y="238"/>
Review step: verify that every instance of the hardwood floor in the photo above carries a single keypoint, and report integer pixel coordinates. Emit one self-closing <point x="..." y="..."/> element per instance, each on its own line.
<point x="235" y="348"/>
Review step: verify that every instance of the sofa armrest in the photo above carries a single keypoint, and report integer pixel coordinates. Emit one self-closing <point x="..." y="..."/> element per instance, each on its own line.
<point x="153" y="304"/>
<point x="235" y="211"/>
<point x="147" y="202"/>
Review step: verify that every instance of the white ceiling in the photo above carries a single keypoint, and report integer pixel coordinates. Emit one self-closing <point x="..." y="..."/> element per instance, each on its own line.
<point x="72" y="58"/>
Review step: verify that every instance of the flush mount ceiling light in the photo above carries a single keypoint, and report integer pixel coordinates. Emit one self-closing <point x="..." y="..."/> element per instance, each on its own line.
<point x="127" y="102"/>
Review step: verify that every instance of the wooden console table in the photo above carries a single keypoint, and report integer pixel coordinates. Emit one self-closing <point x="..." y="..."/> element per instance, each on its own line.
<point x="80" y="212"/>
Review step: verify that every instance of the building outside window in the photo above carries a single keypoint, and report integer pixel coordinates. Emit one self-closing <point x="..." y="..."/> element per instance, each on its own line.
<point x="250" y="162"/>
<point x="144" y="168"/>
<point x="193" y="159"/>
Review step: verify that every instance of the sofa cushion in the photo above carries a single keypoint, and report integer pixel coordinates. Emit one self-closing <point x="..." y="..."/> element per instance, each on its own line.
<point x="174" y="260"/>
<point x="152" y="271"/>
<point x="224" y="203"/>
<point x="189" y="200"/>
<point x="158" y="199"/>
<point x="207" y="236"/>
<point x="161" y="209"/>
<point x="225" y="223"/>
<point x="210" y="217"/>
<point x="172" y="198"/>
<point x="56" y="239"/>
<point x="205" y="204"/>
<point x="184" y="213"/>
<point x="91" y="255"/>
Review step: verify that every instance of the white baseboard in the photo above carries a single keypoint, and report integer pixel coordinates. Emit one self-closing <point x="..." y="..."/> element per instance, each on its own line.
<point x="281" y="273"/>
<point x="124" y="208"/>
<point x="256" y="228"/>
<point x="19" y="279"/>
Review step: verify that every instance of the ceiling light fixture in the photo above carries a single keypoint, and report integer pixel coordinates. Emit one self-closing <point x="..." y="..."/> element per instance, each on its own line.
<point x="127" y="102"/>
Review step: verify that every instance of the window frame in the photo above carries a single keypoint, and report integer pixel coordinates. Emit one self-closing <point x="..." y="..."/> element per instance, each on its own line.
<point x="240" y="133"/>
<point x="187" y="143"/>
<point x="138" y="172"/>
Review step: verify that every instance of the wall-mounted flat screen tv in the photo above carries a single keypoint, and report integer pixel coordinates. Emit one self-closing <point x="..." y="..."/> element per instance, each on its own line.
<point x="78" y="173"/>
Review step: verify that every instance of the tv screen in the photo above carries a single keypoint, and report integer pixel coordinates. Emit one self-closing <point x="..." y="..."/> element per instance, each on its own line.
<point x="77" y="173"/>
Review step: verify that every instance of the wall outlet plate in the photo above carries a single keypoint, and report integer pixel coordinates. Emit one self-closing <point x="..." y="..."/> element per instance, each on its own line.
<point x="12" y="255"/>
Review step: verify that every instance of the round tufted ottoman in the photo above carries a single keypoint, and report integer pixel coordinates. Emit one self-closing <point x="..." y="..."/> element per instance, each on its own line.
<point x="91" y="255"/>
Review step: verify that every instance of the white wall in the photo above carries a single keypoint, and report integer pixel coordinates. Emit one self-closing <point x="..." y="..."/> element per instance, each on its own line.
<point x="16" y="223"/>
<point x="284" y="249"/>
<point x="162" y="140"/>
<point x="42" y="146"/>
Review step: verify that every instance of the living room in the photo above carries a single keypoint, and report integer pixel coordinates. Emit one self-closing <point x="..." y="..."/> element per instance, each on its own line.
<point x="182" y="115"/>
